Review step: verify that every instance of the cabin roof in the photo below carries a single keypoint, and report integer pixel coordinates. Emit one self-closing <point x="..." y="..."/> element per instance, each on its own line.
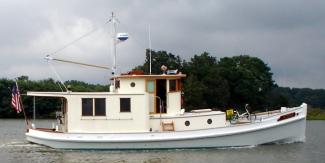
<point x="162" y="76"/>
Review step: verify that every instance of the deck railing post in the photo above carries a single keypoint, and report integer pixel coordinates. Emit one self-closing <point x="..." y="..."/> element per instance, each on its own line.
<point x="34" y="110"/>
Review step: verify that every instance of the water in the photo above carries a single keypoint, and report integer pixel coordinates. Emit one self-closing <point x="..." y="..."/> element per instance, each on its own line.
<point x="14" y="148"/>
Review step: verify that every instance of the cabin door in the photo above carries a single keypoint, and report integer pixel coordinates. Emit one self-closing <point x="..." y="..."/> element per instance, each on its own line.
<point x="161" y="92"/>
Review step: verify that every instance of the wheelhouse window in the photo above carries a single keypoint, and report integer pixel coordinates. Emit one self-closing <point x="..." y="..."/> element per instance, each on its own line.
<point x="150" y="86"/>
<point x="174" y="85"/>
<point x="93" y="107"/>
<point x="125" y="104"/>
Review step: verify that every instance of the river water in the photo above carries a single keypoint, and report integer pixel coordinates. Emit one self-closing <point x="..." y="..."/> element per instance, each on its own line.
<point x="14" y="148"/>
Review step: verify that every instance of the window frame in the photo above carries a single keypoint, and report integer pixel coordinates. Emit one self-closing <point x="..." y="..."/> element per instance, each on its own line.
<point x="83" y="107"/>
<point x="93" y="107"/>
<point x="125" y="110"/>
<point x="154" y="86"/>
<point x="96" y="107"/>
<point x="178" y="85"/>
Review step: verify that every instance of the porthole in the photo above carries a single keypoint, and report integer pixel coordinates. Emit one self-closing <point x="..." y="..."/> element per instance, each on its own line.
<point x="132" y="84"/>
<point x="187" y="123"/>
<point x="209" y="121"/>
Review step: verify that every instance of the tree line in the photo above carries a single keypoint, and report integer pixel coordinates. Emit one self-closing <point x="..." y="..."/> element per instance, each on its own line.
<point x="217" y="83"/>
<point x="231" y="82"/>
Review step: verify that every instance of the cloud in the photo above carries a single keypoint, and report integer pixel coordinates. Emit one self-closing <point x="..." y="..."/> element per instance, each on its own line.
<point x="287" y="35"/>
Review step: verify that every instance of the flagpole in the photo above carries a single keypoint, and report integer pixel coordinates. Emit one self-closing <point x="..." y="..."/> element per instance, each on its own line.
<point x="22" y="107"/>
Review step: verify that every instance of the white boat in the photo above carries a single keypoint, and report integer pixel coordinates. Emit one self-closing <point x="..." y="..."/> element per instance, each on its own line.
<point x="145" y="112"/>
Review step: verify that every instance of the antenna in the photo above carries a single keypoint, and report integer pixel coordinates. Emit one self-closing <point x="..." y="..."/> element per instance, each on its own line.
<point x="149" y="51"/>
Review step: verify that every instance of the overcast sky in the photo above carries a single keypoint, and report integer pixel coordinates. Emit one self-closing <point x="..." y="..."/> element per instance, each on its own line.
<point x="288" y="35"/>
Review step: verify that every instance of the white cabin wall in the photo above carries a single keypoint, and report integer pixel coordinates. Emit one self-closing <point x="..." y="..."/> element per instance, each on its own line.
<point x="173" y="103"/>
<point x="115" y="121"/>
<point x="197" y="122"/>
<point x="125" y="85"/>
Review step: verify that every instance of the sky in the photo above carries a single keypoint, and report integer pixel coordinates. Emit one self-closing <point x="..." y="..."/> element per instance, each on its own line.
<point x="289" y="36"/>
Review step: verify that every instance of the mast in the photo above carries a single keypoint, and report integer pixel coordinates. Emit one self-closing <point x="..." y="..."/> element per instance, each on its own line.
<point x="116" y="39"/>
<point x="114" y="25"/>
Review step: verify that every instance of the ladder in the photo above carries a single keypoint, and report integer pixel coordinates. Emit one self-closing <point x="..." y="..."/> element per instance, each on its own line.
<point x="168" y="126"/>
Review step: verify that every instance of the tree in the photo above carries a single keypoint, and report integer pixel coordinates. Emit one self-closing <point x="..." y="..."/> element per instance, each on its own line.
<point x="158" y="59"/>
<point x="194" y="93"/>
<point x="278" y="97"/>
<point x="249" y="79"/>
<point x="296" y="96"/>
<point x="205" y="87"/>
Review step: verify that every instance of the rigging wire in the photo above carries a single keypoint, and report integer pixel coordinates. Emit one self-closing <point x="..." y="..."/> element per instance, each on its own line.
<point x="66" y="46"/>
<point x="58" y="76"/>
<point x="78" y="39"/>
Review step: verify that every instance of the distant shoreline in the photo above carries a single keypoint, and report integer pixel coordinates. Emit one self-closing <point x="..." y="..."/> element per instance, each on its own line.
<point x="315" y="114"/>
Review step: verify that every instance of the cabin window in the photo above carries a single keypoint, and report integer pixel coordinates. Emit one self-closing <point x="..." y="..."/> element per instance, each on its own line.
<point x="93" y="107"/>
<point x="187" y="123"/>
<point x="87" y="107"/>
<point x="151" y="86"/>
<point x="100" y="109"/>
<point x="125" y="104"/>
<point x="172" y="86"/>
<point x="132" y="84"/>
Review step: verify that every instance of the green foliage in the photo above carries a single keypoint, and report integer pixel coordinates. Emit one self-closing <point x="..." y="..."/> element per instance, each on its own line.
<point x="205" y="87"/>
<point x="78" y="86"/>
<point x="194" y="93"/>
<point x="284" y="96"/>
<point x="315" y="114"/>
<point x="249" y="79"/>
<point x="5" y="97"/>
<point x="233" y="81"/>
<point x="158" y="59"/>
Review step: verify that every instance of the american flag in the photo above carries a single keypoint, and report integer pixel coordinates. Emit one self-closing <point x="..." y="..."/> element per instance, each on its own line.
<point x="15" y="98"/>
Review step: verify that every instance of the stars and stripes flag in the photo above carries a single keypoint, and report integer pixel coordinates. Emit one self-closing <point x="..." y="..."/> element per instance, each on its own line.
<point x="15" y="98"/>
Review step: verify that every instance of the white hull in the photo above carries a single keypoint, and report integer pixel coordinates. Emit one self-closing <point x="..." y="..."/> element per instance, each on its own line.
<point x="267" y="131"/>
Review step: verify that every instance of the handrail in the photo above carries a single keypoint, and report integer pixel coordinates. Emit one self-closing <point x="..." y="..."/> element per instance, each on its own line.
<point x="160" y="107"/>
